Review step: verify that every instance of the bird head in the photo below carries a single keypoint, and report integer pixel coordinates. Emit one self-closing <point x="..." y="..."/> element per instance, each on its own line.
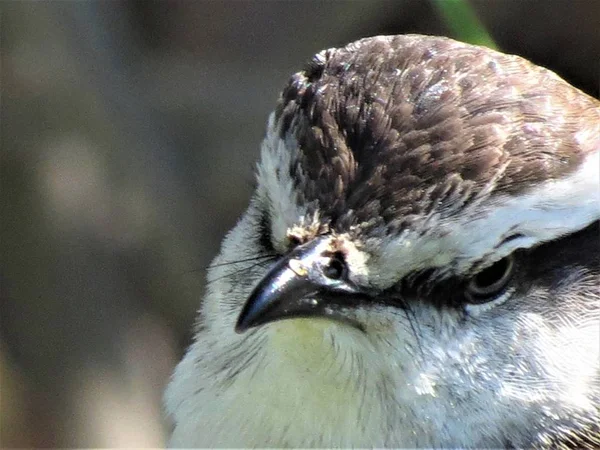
<point x="419" y="264"/>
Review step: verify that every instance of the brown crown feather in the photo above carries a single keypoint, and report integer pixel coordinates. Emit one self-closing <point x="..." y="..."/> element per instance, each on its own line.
<point x="392" y="128"/>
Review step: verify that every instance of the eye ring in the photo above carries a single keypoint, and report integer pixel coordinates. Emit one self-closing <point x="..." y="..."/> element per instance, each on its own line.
<point x="490" y="282"/>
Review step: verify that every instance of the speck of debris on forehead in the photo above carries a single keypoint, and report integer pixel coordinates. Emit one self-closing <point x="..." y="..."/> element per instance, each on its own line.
<point x="390" y="129"/>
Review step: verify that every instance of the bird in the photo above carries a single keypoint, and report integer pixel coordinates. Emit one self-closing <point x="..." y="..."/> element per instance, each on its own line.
<point x="418" y="266"/>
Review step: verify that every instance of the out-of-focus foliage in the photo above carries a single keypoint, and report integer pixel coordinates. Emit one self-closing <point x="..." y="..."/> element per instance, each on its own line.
<point x="463" y="22"/>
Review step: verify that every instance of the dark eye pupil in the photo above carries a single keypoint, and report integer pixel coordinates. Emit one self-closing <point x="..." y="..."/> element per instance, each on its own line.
<point x="491" y="275"/>
<point x="335" y="269"/>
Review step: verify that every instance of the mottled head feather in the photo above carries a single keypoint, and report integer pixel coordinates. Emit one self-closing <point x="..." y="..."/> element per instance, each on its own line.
<point x="391" y="129"/>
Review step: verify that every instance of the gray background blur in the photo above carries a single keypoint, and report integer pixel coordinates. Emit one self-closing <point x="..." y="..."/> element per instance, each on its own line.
<point x="129" y="131"/>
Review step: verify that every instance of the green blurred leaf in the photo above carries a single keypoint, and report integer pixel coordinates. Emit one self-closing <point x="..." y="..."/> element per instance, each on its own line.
<point x="463" y="22"/>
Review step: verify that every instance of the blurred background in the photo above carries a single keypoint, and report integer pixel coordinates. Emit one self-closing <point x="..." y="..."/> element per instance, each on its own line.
<point x="129" y="133"/>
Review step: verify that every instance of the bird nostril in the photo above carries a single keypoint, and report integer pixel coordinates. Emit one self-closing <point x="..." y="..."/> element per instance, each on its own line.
<point x="293" y="242"/>
<point x="335" y="269"/>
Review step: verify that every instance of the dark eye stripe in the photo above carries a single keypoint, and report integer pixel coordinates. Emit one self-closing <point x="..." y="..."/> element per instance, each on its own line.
<point x="264" y="229"/>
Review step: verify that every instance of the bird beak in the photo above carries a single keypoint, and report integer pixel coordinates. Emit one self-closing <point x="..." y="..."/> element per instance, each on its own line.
<point x="299" y="285"/>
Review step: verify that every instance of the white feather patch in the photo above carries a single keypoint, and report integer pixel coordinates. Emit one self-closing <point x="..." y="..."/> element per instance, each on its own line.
<point x="553" y="209"/>
<point x="276" y="185"/>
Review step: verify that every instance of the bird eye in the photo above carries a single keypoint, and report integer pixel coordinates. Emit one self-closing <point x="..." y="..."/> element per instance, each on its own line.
<point x="490" y="282"/>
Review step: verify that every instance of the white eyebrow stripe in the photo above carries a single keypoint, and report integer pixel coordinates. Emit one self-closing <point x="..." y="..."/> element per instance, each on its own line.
<point x="546" y="212"/>
<point x="553" y="209"/>
<point x="275" y="183"/>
